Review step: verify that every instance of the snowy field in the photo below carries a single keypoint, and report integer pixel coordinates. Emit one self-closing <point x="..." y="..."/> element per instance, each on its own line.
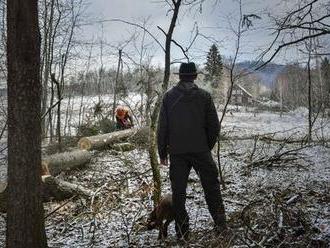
<point x="292" y="125"/>
<point x="277" y="194"/>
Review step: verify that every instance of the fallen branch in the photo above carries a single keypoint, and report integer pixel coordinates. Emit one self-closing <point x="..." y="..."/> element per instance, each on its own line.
<point x="279" y="157"/>
<point x="59" y="207"/>
<point x="292" y="199"/>
<point x="59" y="190"/>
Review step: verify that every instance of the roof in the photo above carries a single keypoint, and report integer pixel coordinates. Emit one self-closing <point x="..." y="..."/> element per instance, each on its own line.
<point x="248" y="93"/>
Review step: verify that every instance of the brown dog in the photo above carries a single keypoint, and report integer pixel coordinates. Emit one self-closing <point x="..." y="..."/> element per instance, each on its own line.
<point x="163" y="211"/>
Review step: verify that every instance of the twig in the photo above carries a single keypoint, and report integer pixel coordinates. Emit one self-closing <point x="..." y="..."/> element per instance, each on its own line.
<point x="279" y="157"/>
<point x="4" y="128"/>
<point x="50" y="108"/>
<point x="56" y="209"/>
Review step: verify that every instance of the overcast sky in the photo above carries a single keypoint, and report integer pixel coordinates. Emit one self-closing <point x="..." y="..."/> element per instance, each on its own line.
<point x="214" y="21"/>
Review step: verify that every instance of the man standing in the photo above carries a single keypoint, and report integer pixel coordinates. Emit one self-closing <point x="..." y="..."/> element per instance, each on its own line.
<point x="187" y="130"/>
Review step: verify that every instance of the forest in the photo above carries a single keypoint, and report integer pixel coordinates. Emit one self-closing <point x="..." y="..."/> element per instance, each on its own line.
<point x="73" y="173"/>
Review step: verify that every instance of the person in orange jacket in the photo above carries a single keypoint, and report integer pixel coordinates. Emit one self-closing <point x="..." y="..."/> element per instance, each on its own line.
<point x="123" y="117"/>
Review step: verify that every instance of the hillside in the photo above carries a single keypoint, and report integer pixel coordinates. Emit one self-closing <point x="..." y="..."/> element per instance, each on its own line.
<point x="267" y="74"/>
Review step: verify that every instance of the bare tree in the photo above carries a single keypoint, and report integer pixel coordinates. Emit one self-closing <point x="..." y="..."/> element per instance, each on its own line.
<point x="120" y="52"/>
<point x="83" y="85"/>
<point x="154" y="116"/>
<point x="303" y="27"/>
<point x="296" y="26"/>
<point x="47" y="33"/>
<point x="243" y="25"/>
<point x="310" y="125"/>
<point x="59" y="22"/>
<point x="25" y="218"/>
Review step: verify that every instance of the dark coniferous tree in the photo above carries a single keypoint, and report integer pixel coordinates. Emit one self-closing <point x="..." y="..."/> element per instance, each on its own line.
<point x="213" y="66"/>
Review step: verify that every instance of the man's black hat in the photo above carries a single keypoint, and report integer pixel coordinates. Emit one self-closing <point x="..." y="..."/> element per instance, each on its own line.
<point x="187" y="69"/>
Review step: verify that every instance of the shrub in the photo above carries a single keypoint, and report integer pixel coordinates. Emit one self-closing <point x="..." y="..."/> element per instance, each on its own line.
<point x="87" y="129"/>
<point x="106" y="125"/>
<point x="67" y="143"/>
<point x="141" y="138"/>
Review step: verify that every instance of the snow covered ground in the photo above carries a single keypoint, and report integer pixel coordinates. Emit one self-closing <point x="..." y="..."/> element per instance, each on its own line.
<point x="284" y="202"/>
<point x="292" y="125"/>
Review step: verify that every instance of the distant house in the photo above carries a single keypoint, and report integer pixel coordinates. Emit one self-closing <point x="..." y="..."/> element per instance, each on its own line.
<point x="241" y="96"/>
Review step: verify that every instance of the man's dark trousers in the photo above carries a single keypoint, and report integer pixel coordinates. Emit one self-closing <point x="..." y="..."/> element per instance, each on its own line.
<point x="205" y="167"/>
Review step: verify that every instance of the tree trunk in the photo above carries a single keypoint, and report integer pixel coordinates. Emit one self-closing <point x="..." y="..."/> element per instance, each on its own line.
<point x="233" y="79"/>
<point x="99" y="142"/>
<point x="47" y="61"/>
<point x="52" y="189"/>
<point x="149" y="92"/>
<point x="81" y="114"/>
<point x="155" y="112"/>
<point x="60" y="190"/>
<point x="68" y="114"/>
<point x="310" y="110"/>
<point x="115" y="88"/>
<point x="58" y="123"/>
<point x="25" y="217"/>
<point x="50" y="114"/>
<point x="43" y="71"/>
<point x="154" y="166"/>
<point x="59" y="162"/>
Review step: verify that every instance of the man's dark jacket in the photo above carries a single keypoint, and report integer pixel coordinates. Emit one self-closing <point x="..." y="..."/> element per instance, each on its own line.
<point x="188" y="121"/>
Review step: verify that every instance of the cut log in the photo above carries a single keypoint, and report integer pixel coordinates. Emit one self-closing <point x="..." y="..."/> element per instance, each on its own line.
<point x="56" y="163"/>
<point x="57" y="189"/>
<point x="103" y="141"/>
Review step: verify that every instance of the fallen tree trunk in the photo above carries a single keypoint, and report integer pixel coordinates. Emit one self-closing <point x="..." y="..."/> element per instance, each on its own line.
<point x="57" y="189"/>
<point x="52" y="189"/>
<point x="99" y="142"/>
<point x="56" y="163"/>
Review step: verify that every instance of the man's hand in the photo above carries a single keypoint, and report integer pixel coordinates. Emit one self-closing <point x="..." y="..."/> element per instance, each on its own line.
<point x="164" y="161"/>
